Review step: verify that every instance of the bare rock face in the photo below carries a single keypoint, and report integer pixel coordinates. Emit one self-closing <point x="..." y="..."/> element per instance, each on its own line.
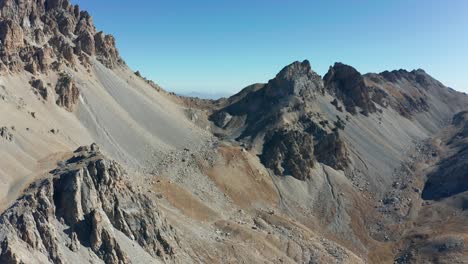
<point x="11" y="35"/>
<point x="404" y="91"/>
<point x="75" y="243"/>
<point x="36" y="34"/>
<point x="262" y="105"/>
<point x="40" y="88"/>
<point x="419" y="77"/>
<point x="289" y="153"/>
<point x="295" y="152"/>
<point x="8" y="257"/>
<point x="347" y="84"/>
<point x="296" y="79"/>
<point x="221" y="119"/>
<point x="83" y="204"/>
<point x="85" y="43"/>
<point x="67" y="92"/>
<point x="331" y="150"/>
<point x="63" y="47"/>
<point x="105" y="49"/>
<point x="294" y="148"/>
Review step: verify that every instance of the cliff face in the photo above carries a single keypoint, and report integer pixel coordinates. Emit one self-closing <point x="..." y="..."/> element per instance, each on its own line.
<point x="378" y="130"/>
<point x="42" y="35"/>
<point x="67" y="92"/>
<point x="85" y="203"/>
<point x="347" y="84"/>
<point x="281" y="114"/>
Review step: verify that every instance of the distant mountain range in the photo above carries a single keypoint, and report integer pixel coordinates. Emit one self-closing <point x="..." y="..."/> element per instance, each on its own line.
<point x="206" y="95"/>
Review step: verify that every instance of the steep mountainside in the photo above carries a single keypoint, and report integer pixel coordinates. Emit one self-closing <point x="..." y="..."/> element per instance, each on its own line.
<point x="348" y="168"/>
<point x="85" y="202"/>
<point x="376" y="130"/>
<point x="74" y="98"/>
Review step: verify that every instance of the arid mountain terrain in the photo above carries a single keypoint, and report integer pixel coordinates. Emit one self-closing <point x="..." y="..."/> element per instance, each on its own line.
<point x="100" y="165"/>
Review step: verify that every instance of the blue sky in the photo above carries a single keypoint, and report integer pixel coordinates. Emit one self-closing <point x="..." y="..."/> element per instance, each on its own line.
<point x="223" y="46"/>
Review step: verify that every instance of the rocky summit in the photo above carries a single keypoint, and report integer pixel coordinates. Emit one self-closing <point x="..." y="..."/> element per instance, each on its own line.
<point x="101" y="165"/>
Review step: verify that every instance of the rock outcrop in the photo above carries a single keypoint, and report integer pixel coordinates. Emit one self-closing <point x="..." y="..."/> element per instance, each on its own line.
<point x="404" y="91"/>
<point x="67" y="92"/>
<point x="6" y="134"/>
<point x="289" y="153"/>
<point x="259" y="106"/>
<point x="331" y="150"/>
<point x="348" y="85"/>
<point x="297" y="79"/>
<point x="40" y="35"/>
<point x="40" y="88"/>
<point x="260" y="113"/>
<point x="83" y="204"/>
<point x="11" y="35"/>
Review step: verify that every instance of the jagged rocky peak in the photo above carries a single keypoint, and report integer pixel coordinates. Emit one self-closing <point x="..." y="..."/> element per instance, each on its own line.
<point x="347" y="84"/>
<point x="83" y="204"/>
<point x="418" y="77"/>
<point x="262" y="104"/>
<point x="36" y="35"/>
<point x="295" y="79"/>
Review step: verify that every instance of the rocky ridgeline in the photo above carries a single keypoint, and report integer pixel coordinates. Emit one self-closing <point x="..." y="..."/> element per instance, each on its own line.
<point x="82" y="205"/>
<point x="406" y="92"/>
<point x="292" y="149"/>
<point x="347" y="84"/>
<point x="297" y="79"/>
<point x="42" y="35"/>
<point x="287" y="109"/>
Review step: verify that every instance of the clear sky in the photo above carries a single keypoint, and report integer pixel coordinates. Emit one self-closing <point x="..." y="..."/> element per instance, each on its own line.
<point x="223" y="46"/>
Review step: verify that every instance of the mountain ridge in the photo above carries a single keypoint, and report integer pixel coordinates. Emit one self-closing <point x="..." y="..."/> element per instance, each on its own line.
<point x="301" y="169"/>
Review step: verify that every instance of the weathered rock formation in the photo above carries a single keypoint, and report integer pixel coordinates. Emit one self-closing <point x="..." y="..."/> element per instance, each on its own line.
<point x="348" y="85"/>
<point x="297" y="79"/>
<point x="259" y="106"/>
<point x="406" y="92"/>
<point x="289" y="153"/>
<point x="67" y="92"/>
<point x="38" y="35"/>
<point x="40" y="88"/>
<point x="83" y="204"/>
<point x="260" y="112"/>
